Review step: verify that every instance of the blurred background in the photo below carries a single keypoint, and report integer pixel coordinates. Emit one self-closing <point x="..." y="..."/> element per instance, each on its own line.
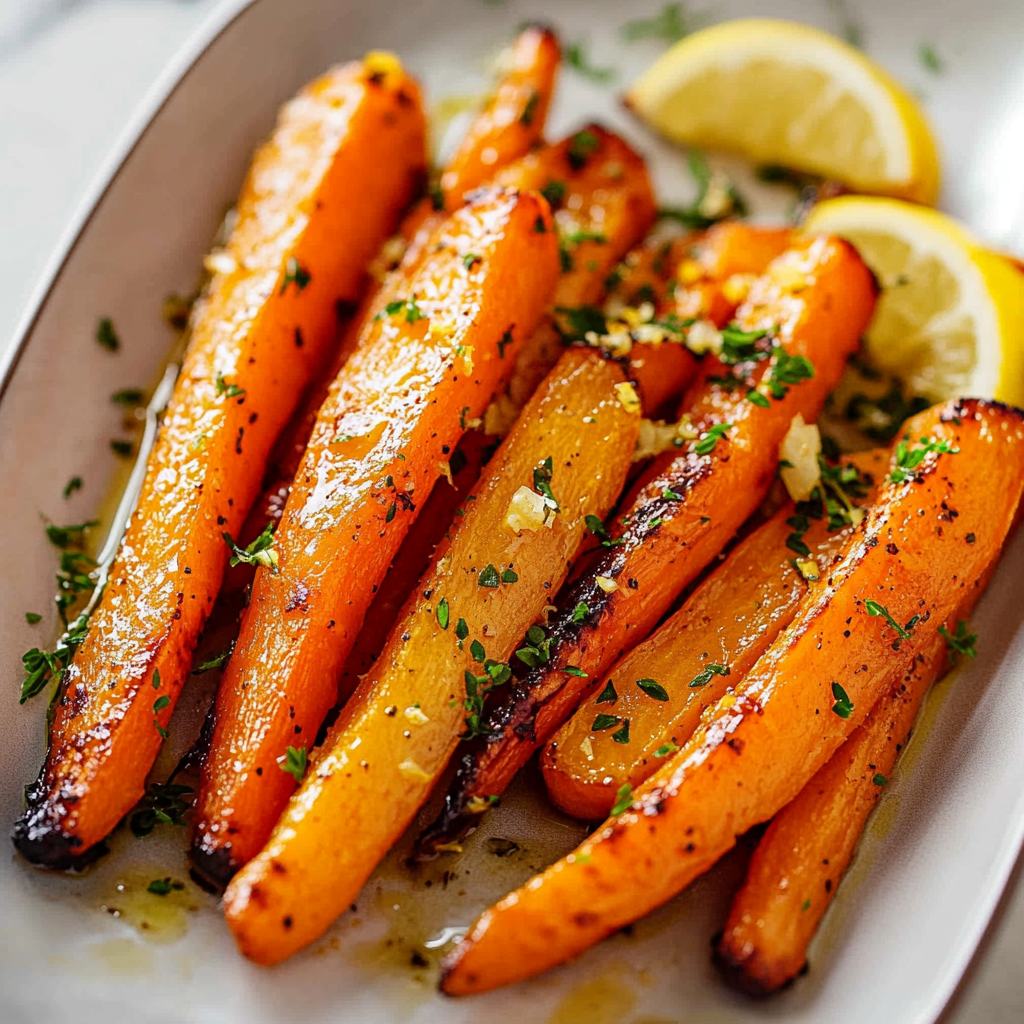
<point x="71" y="74"/>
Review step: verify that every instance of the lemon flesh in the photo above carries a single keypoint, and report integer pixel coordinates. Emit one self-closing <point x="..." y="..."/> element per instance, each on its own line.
<point x="950" y="316"/>
<point x="782" y="93"/>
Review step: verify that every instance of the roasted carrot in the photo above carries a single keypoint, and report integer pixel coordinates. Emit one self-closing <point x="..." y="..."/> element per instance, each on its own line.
<point x="570" y="452"/>
<point x="903" y="576"/>
<point x="513" y="121"/>
<point x="800" y="860"/>
<point x="497" y="137"/>
<point x="814" y="301"/>
<point x="445" y="503"/>
<point x="603" y="205"/>
<point x="427" y="364"/>
<point x="659" y="690"/>
<point x="342" y="163"/>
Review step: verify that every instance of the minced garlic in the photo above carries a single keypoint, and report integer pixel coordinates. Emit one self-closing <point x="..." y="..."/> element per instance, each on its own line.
<point x="703" y="337"/>
<point x="627" y="396"/>
<point x="412" y="769"/>
<point x="416" y="716"/>
<point x="528" y="511"/>
<point x="800" y="449"/>
<point x="607" y="584"/>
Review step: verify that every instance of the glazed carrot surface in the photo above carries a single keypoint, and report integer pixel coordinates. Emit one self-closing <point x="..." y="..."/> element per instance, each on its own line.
<point x="427" y="364"/>
<point x="902" y="577"/>
<point x="816" y="300"/>
<point x="658" y="691"/>
<point x="464" y="619"/>
<point x="344" y="160"/>
<point x="798" y="864"/>
<point x="497" y="137"/>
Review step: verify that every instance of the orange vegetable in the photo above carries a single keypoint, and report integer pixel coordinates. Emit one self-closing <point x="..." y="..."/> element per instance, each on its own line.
<point x="727" y="623"/>
<point x="817" y="298"/>
<point x="800" y="860"/>
<point x="427" y="364"/>
<point x="466" y="616"/>
<point x="342" y="162"/>
<point x="497" y="137"/>
<point x="902" y="572"/>
<point x="513" y="121"/>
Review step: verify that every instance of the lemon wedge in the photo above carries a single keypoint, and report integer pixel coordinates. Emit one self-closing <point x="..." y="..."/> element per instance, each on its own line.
<point x="950" y="317"/>
<point x="782" y="93"/>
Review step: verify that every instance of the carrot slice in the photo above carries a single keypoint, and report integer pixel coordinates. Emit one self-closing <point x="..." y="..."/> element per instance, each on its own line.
<point x="513" y="121"/>
<point x="452" y="642"/>
<point x="796" y="868"/>
<point x="342" y="163"/>
<point x="817" y="299"/>
<point x="902" y="576"/>
<point x="659" y="690"/>
<point x="427" y="364"/>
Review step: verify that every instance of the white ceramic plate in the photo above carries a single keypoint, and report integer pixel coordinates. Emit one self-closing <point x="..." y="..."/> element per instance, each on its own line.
<point x="907" y="919"/>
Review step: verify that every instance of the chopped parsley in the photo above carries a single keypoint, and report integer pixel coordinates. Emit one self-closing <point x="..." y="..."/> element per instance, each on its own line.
<point x="503" y="342"/>
<point x="461" y="629"/>
<point x="960" y="641"/>
<point x="574" y="323"/>
<point x="260" y="552"/>
<point x="739" y="346"/>
<point x="602" y="722"/>
<point x="407" y="307"/>
<point x="574" y="670"/>
<point x="496" y="673"/>
<point x="717" y="197"/>
<point x="621" y="735"/>
<point x="554" y="192"/>
<point x="608" y="694"/>
<point x="879" y="779"/>
<point x="833" y="499"/>
<point x="294" y="273"/>
<point x="229" y="390"/>
<point x="542" y="473"/>
<point x="130" y="397"/>
<point x="623" y="800"/>
<point x="908" y="459"/>
<point x="706" y="445"/>
<point x="33" y="617"/>
<point x="806" y="905"/>
<point x="470" y="260"/>
<point x="578" y="59"/>
<point x="488" y="577"/>
<point x="74" y="484"/>
<point x="163" y="886"/>
<point x="69" y="536"/>
<point x="294" y="763"/>
<point x="580" y="612"/>
<point x="600" y="531"/>
<point x="477" y="652"/>
<point x="787" y="369"/>
<point x="665" y="749"/>
<point x="843" y="706"/>
<point x="217" y="661"/>
<point x="703" y="677"/>
<point x="929" y="59"/>
<point x="122" y="448"/>
<point x="582" y="146"/>
<point x="442" y="613"/>
<point x="881" y="418"/>
<point x="653" y="689"/>
<point x="106" y="336"/>
<point x="530" y="109"/>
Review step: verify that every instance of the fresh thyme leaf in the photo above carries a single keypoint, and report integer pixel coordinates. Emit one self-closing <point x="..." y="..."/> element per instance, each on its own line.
<point x="703" y="677"/>
<point x="542" y="474"/>
<point x="577" y="57"/>
<point x="669" y="25"/>
<point x="608" y="694"/>
<point x="294" y="763"/>
<point x="161" y="804"/>
<point x="69" y="536"/>
<point x="960" y="641"/>
<point x="226" y="389"/>
<point x="739" y="346"/>
<point x="843" y="707"/>
<point x="653" y="689"/>
<point x="106" y="336"/>
<point x="602" y="722"/>
<point x="160" y="886"/>
<point x="217" y="661"/>
<point x="621" y="735"/>
<point x="461" y="629"/>
<point x="623" y="800"/>
<point x="33" y="617"/>
<point x="442" y="613"/>
<point x="488" y="577"/>
<point x="477" y="652"/>
<point x="260" y="552"/>
<point x="665" y="749"/>
<point x="294" y="273"/>
<point x="509" y="576"/>
<point x="908" y="459"/>
<point x="880" y="611"/>
<point x="710" y="438"/>
<point x="574" y="670"/>
<point x="879" y="779"/>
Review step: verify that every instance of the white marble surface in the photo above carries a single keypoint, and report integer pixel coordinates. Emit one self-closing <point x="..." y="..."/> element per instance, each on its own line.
<point x="71" y="72"/>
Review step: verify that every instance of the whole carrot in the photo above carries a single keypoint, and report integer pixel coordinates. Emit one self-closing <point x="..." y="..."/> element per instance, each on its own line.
<point x="342" y="163"/>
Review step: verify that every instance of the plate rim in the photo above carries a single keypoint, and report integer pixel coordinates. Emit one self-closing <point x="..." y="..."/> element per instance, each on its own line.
<point x="963" y="970"/>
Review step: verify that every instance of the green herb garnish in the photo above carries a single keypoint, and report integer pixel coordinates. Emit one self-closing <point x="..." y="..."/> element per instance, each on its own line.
<point x="260" y="552"/>
<point x="843" y="706"/>
<point x="106" y="336"/>
<point x="623" y="800"/>
<point x="960" y="642"/>
<point x="653" y="689"/>
<point x="294" y="763"/>
<point x="703" y="677"/>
